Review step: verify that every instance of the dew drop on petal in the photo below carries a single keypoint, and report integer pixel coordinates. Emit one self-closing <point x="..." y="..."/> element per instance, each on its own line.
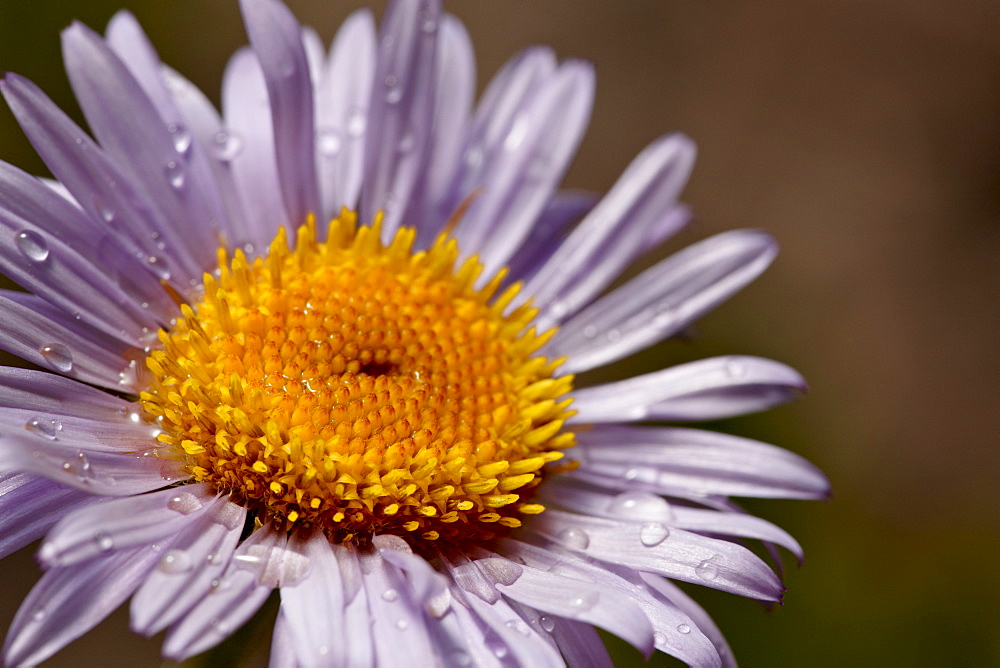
<point x="407" y="142"/>
<point x="32" y="245"/>
<point x="329" y="142"/>
<point x="589" y="332"/>
<point x="84" y="470"/>
<point x="658" y="639"/>
<point x="402" y="624"/>
<point x="390" y="595"/>
<point x="174" y="562"/>
<point x="44" y="427"/>
<point x="683" y="628"/>
<point x="226" y="145"/>
<point x="547" y="623"/>
<point x="735" y="368"/>
<point x="497" y="646"/>
<point x="180" y="137"/>
<point x="356" y="122"/>
<point x="461" y="658"/>
<point x="653" y="533"/>
<point x="176" y="173"/>
<point x="58" y="356"/>
<point x="184" y="503"/>
<point x="631" y="474"/>
<point x="158" y="267"/>
<point x="38" y="614"/>
<point x="639" y="505"/>
<point x="519" y="626"/>
<point x="707" y="570"/>
<point x="103" y="541"/>
<point x="613" y="335"/>
<point x="106" y="213"/>
<point x="584" y="601"/>
<point x="574" y="538"/>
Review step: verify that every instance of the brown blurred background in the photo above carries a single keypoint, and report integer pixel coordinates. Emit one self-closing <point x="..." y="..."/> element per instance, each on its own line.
<point x="864" y="135"/>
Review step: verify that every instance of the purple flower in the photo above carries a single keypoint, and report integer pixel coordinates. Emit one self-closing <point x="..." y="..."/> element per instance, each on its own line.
<point x="379" y="419"/>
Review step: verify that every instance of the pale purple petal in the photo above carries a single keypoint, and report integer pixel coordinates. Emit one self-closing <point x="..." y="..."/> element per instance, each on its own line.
<point x="127" y="125"/>
<point x="401" y="111"/>
<point x="30" y="505"/>
<point x="360" y="645"/>
<point x="523" y="170"/>
<point x="276" y="38"/>
<point x="314" y="608"/>
<point x="105" y="473"/>
<point x="56" y="395"/>
<point x="694" y="463"/>
<point x="509" y="637"/>
<point x="662" y="300"/>
<point x="343" y="95"/>
<point x="676" y="595"/>
<point x="580" y="644"/>
<point x="246" y="145"/>
<point x="195" y="558"/>
<point x="580" y="599"/>
<point x="68" y="602"/>
<point x="565" y="209"/>
<point x="614" y="232"/>
<point x="679" y="554"/>
<point x="708" y="389"/>
<point x="122" y="524"/>
<point x="282" y="647"/>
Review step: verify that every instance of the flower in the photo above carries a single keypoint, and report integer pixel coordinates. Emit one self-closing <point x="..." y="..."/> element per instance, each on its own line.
<point x="378" y="419"/>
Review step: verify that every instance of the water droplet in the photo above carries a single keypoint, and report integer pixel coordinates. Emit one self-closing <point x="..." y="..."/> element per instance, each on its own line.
<point x="323" y="650"/>
<point x="158" y="267"/>
<point x="394" y="95"/>
<point x="664" y="320"/>
<point x="517" y="133"/>
<point x="547" y="623"/>
<point x="640" y="505"/>
<point x="474" y="156"/>
<point x="175" y="561"/>
<point x="32" y="246"/>
<point x="402" y="624"/>
<point x="104" y="210"/>
<point x="84" y="470"/>
<point x="631" y="474"/>
<point x="589" y="332"/>
<point x="44" y="427"/>
<point x="574" y="538"/>
<point x="180" y="136"/>
<point x="653" y="533"/>
<point x="38" y="614"/>
<point x="390" y="595"/>
<point x="329" y="141"/>
<point x="104" y="542"/>
<point x="129" y="376"/>
<point x="683" y="628"/>
<point x="407" y="142"/>
<point x="584" y="601"/>
<point x="184" y="503"/>
<point x="461" y="658"/>
<point x="356" y="122"/>
<point x="658" y="639"/>
<point x="175" y="172"/>
<point x="497" y="646"/>
<point x="707" y="570"/>
<point x="613" y="335"/>
<point x="58" y="356"/>
<point x="735" y="368"/>
<point x="226" y="145"/>
<point x="519" y="626"/>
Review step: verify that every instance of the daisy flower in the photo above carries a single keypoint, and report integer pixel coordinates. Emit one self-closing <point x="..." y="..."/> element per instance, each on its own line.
<point x="324" y="342"/>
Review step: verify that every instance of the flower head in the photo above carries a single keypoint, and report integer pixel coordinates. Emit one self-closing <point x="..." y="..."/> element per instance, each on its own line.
<point x="325" y="342"/>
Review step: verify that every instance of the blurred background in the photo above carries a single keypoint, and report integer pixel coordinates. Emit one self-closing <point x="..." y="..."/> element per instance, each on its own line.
<point x="864" y="136"/>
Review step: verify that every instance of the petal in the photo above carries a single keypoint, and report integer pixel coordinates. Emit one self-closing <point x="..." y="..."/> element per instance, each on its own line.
<point x="680" y="554"/>
<point x="580" y="644"/>
<point x="56" y="395"/>
<point x="673" y="593"/>
<point x="344" y="95"/>
<point x="709" y="389"/>
<point x="662" y="300"/>
<point x="563" y="210"/>
<point x="614" y="232"/>
<point x="587" y="601"/>
<point x="401" y="111"/>
<point x="197" y="556"/>
<point x="30" y="505"/>
<point x="314" y="607"/>
<point x="282" y="648"/>
<point x="68" y="602"/>
<point x="246" y="145"/>
<point x="276" y="38"/>
<point x="127" y="125"/>
<point x="121" y="524"/>
<point x="695" y="463"/>
<point x="524" y="169"/>
<point x="105" y="473"/>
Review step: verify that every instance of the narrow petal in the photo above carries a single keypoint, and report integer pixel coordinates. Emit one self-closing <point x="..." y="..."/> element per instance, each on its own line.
<point x="565" y="209"/>
<point x="92" y="471"/>
<point x="68" y="602"/>
<point x="56" y="395"/>
<point x="580" y="644"/>
<point x="695" y="463"/>
<point x="709" y="389"/>
<point x="662" y="300"/>
<point x="614" y="232"/>
<point x="314" y="607"/>
<point x="197" y="556"/>
<point x="282" y="647"/>
<point x="344" y="94"/>
<point x="587" y="601"/>
<point x="673" y="593"/>
<point x="531" y="159"/>
<point x="276" y="38"/>
<point x="679" y="554"/>
<point x="141" y="143"/>
<point x="246" y="145"/>
<point x="401" y="111"/>
<point x="30" y="506"/>
<point x="507" y="636"/>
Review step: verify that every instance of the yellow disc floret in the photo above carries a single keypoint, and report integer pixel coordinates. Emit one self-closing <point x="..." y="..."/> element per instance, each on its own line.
<point x="361" y="388"/>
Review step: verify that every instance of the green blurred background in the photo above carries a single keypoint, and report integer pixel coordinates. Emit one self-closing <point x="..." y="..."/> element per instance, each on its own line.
<point x="864" y="135"/>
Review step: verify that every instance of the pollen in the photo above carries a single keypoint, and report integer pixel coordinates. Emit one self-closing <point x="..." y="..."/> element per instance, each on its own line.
<point x="362" y="388"/>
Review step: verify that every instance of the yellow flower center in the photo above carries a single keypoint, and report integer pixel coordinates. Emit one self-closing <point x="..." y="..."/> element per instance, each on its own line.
<point x="361" y="388"/>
